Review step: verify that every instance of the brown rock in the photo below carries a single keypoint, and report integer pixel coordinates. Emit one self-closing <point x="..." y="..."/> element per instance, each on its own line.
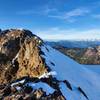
<point x="19" y="55"/>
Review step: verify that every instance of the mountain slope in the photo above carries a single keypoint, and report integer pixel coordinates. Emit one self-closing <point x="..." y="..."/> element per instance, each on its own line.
<point x="90" y="55"/>
<point x="76" y="74"/>
<point x="32" y="70"/>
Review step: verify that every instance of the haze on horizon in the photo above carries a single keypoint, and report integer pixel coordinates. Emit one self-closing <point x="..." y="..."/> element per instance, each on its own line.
<point x="53" y="19"/>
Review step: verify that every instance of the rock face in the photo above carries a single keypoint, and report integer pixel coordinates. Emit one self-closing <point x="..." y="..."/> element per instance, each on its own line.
<point x="92" y="55"/>
<point x="19" y="55"/>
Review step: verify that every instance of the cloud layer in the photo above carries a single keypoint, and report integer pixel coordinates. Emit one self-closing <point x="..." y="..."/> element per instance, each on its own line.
<point x="70" y="15"/>
<point x="72" y="34"/>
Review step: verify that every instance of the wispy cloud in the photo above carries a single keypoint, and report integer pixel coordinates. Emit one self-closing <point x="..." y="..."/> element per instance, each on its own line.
<point x="96" y="16"/>
<point x="45" y="10"/>
<point x="70" y="15"/>
<point x="71" y="34"/>
<point x="77" y="12"/>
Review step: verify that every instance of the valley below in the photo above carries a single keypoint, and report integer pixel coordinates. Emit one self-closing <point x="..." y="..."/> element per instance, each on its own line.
<point x="81" y="51"/>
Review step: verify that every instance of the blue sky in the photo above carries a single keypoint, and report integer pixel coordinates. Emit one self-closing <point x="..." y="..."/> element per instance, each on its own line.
<point x="53" y="19"/>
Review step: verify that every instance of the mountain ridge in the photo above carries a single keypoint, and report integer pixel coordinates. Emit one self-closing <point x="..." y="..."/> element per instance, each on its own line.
<point x="39" y="72"/>
<point x="74" y="44"/>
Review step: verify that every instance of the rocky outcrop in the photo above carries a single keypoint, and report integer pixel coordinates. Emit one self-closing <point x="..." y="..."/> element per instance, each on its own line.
<point x="20" y="55"/>
<point x="27" y="93"/>
<point x="92" y="55"/>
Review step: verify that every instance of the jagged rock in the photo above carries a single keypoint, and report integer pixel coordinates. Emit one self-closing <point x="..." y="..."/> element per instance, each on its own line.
<point x="82" y="92"/>
<point x="0" y="30"/>
<point x="20" y="55"/>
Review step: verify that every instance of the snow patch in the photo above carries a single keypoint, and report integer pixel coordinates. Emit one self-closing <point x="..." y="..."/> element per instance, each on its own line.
<point x="15" y="58"/>
<point x="46" y="75"/>
<point x="44" y="86"/>
<point x="19" y="82"/>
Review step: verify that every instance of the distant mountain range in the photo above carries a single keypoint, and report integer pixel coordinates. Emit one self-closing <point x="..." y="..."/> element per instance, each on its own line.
<point x="74" y="44"/>
<point x="84" y="52"/>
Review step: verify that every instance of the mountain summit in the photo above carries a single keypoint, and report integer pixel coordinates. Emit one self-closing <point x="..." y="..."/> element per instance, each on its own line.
<point x="32" y="70"/>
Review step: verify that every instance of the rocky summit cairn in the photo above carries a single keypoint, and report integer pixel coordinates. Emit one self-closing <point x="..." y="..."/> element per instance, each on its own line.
<point x="19" y="55"/>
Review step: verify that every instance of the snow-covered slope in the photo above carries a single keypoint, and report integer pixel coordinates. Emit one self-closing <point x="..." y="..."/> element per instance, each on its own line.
<point x="95" y="68"/>
<point x="85" y="83"/>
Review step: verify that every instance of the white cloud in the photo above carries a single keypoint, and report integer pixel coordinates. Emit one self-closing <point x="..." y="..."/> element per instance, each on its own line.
<point x="70" y="15"/>
<point x="46" y="10"/>
<point x="77" y="12"/>
<point x="72" y="34"/>
<point x="57" y="14"/>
